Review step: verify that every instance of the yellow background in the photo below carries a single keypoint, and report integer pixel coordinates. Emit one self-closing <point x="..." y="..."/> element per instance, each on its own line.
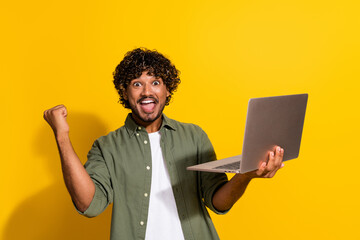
<point x="64" y="52"/>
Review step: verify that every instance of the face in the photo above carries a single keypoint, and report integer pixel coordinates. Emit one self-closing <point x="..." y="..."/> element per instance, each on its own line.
<point x="147" y="97"/>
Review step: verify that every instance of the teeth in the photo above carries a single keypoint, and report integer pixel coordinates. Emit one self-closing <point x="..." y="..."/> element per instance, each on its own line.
<point x="147" y="101"/>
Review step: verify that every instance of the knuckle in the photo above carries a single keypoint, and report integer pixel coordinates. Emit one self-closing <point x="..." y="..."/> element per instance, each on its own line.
<point x="270" y="175"/>
<point x="56" y="111"/>
<point x="269" y="168"/>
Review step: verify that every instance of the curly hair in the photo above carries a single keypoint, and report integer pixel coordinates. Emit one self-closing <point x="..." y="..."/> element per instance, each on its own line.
<point x="140" y="60"/>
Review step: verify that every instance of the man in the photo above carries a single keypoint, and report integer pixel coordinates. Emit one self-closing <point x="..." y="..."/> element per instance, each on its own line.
<point x="141" y="167"/>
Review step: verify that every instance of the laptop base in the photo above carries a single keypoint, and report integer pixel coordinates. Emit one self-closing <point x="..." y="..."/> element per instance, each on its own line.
<point x="219" y="165"/>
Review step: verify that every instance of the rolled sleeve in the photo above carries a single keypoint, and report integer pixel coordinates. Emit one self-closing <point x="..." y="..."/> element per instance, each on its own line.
<point x="210" y="182"/>
<point x="99" y="174"/>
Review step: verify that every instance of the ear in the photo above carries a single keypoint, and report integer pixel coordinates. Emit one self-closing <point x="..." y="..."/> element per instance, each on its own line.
<point x="167" y="93"/>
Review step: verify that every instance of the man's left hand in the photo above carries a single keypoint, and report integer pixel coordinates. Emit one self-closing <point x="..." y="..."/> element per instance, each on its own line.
<point x="268" y="170"/>
<point x="225" y="197"/>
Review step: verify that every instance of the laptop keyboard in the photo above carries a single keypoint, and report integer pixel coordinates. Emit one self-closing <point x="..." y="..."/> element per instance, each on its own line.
<point x="231" y="166"/>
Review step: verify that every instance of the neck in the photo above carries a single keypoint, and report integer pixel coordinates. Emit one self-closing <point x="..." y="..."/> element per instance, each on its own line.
<point x="150" y="127"/>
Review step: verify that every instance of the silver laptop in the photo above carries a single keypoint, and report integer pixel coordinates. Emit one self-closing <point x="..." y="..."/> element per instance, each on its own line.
<point x="270" y="122"/>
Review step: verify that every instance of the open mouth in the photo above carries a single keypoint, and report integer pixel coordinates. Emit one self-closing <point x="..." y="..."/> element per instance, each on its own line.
<point x="148" y="105"/>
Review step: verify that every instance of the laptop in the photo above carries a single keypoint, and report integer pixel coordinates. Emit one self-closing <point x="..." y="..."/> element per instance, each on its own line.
<point x="270" y="122"/>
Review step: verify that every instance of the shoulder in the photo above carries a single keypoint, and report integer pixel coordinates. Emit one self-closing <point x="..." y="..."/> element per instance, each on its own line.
<point x="186" y="129"/>
<point x="183" y="126"/>
<point x="111" y="138"/>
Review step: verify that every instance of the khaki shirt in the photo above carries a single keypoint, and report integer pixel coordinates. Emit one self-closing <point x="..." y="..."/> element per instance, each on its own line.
<point x="120" y="166"/>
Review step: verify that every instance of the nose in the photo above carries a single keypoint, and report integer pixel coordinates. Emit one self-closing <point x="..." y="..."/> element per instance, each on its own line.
<point x="146" y="91"/>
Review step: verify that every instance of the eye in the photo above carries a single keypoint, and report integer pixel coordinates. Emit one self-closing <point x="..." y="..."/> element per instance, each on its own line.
<point x="156" y="82"/>
<point x="137" y="84"/>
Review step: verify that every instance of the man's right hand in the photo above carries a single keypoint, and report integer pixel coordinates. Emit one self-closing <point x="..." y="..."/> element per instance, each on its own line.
<point x="56" y="118"/>
<point x="77" y="180"/>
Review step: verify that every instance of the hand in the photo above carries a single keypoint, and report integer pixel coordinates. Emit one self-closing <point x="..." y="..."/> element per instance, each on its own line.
<point x="56" y="118"/>
<point x="268" y="170"/>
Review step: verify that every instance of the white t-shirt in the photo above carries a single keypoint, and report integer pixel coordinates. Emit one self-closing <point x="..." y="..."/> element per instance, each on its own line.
<point x="163" y="218"/>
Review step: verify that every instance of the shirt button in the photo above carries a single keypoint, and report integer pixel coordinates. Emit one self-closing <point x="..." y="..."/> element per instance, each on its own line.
<point x="145" y="142"/>
<point x="141" y="223"/>
<point x="148" y="167"/>
<point x="137" y="134"/>
<point x="145" y="194"/>
<point x="139" y="128"/>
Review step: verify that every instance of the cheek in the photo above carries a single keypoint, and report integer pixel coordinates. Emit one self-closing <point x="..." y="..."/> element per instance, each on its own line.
<point x="160" y="93"/>
<point x="131" y="96"/>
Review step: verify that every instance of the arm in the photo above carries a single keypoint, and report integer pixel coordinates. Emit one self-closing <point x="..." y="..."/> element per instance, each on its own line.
<point x="77" y="180"/>
<point x="226" y="196"/>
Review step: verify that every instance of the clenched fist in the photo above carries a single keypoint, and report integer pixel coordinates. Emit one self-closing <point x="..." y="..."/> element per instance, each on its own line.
<point x="56" y="118"/>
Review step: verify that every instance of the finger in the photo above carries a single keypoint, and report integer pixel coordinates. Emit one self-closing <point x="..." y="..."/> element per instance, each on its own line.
<point x="271" y="162"/>
<point x="261" y="171"/>
<point x="45" y="113"/>
<point x="282" y="158"/>
<point x="65" y="112"/>
<point x="276" y="163"/>
<point x="58" y="106"/>
<point x="59" y="110"/>
<point x="62" y="110"/>
<point x="272" y="174"/>
<point x="279" y="153"/>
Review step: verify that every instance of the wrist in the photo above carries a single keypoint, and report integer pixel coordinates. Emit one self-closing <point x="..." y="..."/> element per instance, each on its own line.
<point x="61" y="135"/>
<point x="244" y="178"/>
<point x="247" y="177"/>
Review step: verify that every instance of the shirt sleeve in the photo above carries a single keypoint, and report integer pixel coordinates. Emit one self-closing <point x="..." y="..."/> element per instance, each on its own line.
<point x="99" y="174"/>
<point x="209" y="182"/>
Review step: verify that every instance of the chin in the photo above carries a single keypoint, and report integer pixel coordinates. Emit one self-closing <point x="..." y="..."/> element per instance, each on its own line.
<point x="147" y="117"/>
<point x="151" y="118"/>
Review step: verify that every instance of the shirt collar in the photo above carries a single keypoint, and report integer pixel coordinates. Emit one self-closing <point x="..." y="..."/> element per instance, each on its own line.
<point x="132" y="126"/>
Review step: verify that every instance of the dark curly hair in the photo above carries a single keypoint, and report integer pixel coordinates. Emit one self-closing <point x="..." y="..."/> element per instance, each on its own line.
<point x="140" y="60"/>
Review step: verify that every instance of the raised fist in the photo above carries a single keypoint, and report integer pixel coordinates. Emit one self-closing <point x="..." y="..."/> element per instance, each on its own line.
<point x="56" y="118"/>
